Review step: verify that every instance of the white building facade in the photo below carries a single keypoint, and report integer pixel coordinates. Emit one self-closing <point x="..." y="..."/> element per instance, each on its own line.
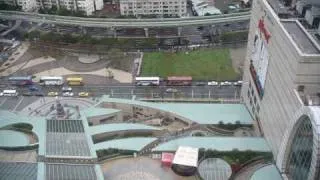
<point x="153" y="7"/>
<point x="87" y="6"/>
<point x="281" y="89"/>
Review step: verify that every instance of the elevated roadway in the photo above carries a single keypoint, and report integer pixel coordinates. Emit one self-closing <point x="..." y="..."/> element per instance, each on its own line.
<point x="124" y="23"/>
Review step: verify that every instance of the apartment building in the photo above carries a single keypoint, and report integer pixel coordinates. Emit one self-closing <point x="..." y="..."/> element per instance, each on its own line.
<point x="87" y="6"/>
<point x="282" y="83"/>
<point x="153" y="7"/>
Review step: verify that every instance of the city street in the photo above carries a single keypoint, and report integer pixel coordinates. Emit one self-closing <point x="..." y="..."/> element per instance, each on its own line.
<point x="127" y="91"/>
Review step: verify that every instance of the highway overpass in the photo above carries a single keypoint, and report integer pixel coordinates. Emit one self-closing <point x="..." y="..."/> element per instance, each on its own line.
<point x="124" y="23"/>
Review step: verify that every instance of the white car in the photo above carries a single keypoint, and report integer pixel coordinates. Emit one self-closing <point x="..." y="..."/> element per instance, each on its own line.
<point x="225" y="83"/>
<point x="66" y="89"/>
<point x="213" y="83"/>
<point x="1" y="94"/>
<point x="171" y="90"/>
<point x="238" y="83"/>
<point x="67" y="94"/>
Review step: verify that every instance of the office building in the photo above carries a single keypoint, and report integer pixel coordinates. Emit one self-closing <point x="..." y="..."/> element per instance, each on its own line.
<point x="282" y="83"/>
<point x="153" y="7"/>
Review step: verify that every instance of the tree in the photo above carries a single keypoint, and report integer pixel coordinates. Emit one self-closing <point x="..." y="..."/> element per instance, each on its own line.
<point x="207" y="14"/>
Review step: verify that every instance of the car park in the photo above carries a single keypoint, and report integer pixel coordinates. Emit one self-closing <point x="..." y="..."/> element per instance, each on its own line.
<point x="52" y="93"/>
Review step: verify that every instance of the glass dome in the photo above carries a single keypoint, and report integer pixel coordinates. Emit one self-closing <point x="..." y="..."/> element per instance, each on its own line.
<point x="300" y="153"/>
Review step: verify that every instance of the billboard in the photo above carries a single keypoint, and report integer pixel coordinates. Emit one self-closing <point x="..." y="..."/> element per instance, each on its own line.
<point x="260" y="57"/>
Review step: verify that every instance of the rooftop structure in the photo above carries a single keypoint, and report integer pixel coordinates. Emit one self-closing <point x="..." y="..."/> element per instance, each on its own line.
<point x="214" y="168"/>
<point x="267" y="172"/>
<point x="186" y="156"/>
<point x="216" y="143"/>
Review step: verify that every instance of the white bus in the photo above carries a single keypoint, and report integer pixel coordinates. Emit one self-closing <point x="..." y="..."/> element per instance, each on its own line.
<point x="51" y="80"/>
<point x="10" y="92"/>
<point x="147" y="81"/>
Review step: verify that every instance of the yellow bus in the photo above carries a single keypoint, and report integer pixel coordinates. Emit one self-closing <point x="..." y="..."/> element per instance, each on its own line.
<point x="75" y="81"/>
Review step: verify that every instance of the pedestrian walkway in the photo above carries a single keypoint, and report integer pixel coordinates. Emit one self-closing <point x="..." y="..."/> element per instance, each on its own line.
<point x="121" y="76"/>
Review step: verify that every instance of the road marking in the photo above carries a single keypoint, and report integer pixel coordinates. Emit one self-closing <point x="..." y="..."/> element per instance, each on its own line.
<point x="19" y="102"/>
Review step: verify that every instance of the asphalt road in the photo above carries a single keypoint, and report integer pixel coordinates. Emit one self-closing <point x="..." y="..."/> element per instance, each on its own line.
<point x="127" y="91"/>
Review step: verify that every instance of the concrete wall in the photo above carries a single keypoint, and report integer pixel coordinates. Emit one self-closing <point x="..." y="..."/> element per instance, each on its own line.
<point x="113" y="117"/>
<point x="279" y="100"/>
<point x="280" y="107"/>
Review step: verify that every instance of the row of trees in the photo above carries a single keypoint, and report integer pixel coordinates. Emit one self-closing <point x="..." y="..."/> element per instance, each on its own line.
<point x="112" y="151"/>
<point x="230" y="126"/>
<point x="86" y="39"/>
<point x="8" y="7"/>
<point x="235" y="156"/>
<point x="62" y="11"/>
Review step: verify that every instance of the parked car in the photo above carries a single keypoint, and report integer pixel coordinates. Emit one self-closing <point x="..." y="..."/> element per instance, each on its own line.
<point x="213" y="83"/>
<point x="1" y="93"/>
<point x="53" y="93"/>
<point x="171" y="90"/>
<point x="83" y="94"/>
<point x="201" y="83"/>
<point x="238" y="83"/>
<point x="225" y="83"/>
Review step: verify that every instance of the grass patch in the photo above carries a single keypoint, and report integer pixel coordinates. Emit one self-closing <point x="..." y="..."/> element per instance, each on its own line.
<point x="201" y="65"/>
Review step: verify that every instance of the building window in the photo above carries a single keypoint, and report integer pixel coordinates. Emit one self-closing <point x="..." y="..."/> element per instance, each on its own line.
<point x="249" y="84"/>
<point x="252" y="92"/>
<point x="258" y="108"/>
<point x="253" y="110"/>
<point x="248" y="93"/>
<point x="254" y="99"/>
<point x="250" y="101"/>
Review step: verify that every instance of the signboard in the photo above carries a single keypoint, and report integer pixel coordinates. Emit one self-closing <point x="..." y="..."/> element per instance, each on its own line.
<point x="260" y="57"/>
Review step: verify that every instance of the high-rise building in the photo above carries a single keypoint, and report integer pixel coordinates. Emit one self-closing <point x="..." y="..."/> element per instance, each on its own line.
<point x="282" y="83"/>
<point x="153" y="7"/>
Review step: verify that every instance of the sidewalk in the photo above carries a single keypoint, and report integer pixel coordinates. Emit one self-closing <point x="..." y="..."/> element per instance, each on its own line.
<point x="121" y="76"/>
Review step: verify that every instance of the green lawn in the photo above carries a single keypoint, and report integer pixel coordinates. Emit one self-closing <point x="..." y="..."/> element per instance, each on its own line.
<point x="200" y="64"/>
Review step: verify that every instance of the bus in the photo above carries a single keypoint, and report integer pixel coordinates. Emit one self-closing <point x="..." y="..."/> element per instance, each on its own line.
<point x="10" y="92"/>
<point x="20" y="80"/>
<point x="147" y="81"/>
<point x="179" y="80"/>
<point x="75" y="81"/>
<point x="51" y="80"/>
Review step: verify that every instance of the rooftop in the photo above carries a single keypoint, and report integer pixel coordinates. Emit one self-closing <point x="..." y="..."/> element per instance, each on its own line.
<point x="217" y="143"/>
<point x="200" y="113"/>
<point x="299" y="36"/>
<point x="95" y="111"/>
<point x="266" y="173"/>
<point x="105" y="128"/>
<point x="134" y="144"/>
<point x="13" y="138"/>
